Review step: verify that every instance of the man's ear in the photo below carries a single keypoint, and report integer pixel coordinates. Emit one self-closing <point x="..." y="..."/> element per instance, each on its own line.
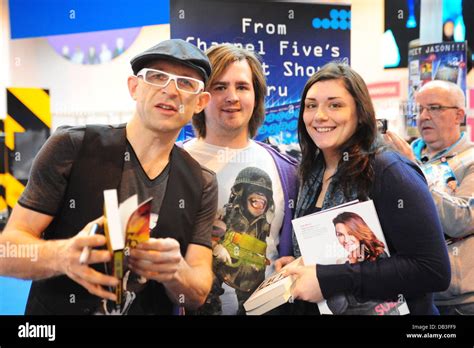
<point x="203" y="100"/>
<point x="132" y="86"/>
<point x="460" y="114"/>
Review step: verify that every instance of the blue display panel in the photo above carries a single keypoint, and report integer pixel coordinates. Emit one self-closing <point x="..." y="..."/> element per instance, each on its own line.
<point x="293" y="40"/>
<point x="55" y="17"/>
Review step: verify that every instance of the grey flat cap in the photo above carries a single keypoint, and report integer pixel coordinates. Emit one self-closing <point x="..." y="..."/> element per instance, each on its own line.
<point x="176" y="50"/>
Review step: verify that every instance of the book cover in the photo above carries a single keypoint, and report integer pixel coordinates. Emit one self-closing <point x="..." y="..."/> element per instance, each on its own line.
<point x="272" y="292"/>
<point x="125" y="225"/>
<point x="347" y="233"/>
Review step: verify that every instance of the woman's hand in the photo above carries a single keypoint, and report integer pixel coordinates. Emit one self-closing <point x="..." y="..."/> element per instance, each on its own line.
<point x="282" y="262"/>
<point x="306" y="287"/>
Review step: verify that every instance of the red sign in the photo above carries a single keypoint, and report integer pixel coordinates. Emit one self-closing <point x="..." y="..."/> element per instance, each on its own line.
<point x="384" y="90"/>
<point x="470" y="122"/>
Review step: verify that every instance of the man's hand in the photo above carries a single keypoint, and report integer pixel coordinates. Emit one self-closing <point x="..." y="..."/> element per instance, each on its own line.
<point x="187" y="280"/>
<point x="157" y="259"/>
<point x="69" y="251"/>
<point x="400" y="145"/>
<point x="221" y="253"/>
<point x="282" y="262"/>
<point x="306" y="287"/>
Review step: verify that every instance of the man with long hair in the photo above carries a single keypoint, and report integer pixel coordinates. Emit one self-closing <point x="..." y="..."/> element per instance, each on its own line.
<point x="224" y="144"/>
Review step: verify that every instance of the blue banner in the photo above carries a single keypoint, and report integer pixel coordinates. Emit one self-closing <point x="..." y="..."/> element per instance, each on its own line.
<point x="293" y="39"/>
<point x="56" y="17"/>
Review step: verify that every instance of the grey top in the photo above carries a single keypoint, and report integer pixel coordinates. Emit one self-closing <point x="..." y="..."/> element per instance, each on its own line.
<point x="456" y="213"/>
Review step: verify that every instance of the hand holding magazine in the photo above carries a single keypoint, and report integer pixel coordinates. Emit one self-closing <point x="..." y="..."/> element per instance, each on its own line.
<point x="347" y="233"/>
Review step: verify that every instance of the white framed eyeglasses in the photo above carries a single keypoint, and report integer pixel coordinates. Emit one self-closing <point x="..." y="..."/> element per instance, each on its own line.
<point x="160" y="78"/>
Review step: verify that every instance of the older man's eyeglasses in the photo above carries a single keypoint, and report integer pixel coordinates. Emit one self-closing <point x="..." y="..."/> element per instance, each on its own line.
<point x="160" y="78"/>
<point x="433" y="110"/>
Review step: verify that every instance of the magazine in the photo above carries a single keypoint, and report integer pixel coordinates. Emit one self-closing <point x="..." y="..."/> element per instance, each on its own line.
<point x="347" y="233"/>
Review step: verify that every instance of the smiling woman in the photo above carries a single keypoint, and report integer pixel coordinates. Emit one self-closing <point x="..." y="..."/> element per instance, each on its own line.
<point x="329" y="115"/>
<point x="344" y="159"/>
<point x="333" y="123"/>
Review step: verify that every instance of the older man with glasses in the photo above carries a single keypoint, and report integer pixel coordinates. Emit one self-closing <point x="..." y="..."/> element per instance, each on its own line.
<point x="65" y="193"/>
<point x="447" y="158"/>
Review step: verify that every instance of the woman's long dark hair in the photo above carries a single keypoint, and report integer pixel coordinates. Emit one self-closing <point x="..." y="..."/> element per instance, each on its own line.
<point x="356" y="167"/>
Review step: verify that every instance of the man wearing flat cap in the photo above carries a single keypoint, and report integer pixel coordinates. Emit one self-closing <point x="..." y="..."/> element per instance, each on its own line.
<point x="64" y="198"/>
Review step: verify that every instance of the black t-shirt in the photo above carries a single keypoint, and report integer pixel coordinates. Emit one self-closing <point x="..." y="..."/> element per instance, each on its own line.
<point x="52" y="166"/>
<point x="48" y="183"/>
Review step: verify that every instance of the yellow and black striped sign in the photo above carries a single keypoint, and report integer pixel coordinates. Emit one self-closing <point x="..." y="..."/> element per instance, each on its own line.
<point x="3" y="154"/>
<point x="26" y="126"/>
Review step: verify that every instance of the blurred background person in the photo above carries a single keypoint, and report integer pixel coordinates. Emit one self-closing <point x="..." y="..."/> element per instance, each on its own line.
<point x="447" y="158"/>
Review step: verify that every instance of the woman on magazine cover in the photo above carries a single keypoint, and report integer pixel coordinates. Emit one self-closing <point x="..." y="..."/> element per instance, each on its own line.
<point x="356" y="237"/>
<point x="360" y="243"/>
<point x="343" y="159"/>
